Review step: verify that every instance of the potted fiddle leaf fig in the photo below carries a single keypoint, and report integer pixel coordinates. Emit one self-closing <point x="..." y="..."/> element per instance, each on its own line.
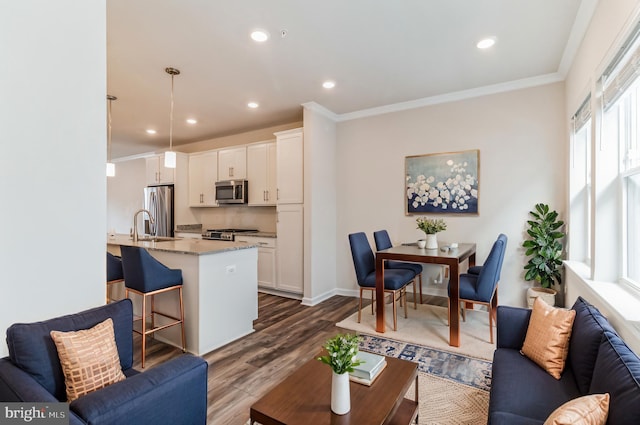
<point x="544" y="249"/>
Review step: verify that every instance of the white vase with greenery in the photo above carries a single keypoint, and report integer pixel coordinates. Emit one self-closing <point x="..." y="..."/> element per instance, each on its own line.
<point x="341" y="356"/>
<point x="431" y="226"/>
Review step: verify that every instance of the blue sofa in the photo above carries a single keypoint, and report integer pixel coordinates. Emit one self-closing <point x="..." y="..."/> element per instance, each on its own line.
<point x="174" y="392"/>
<point x="599" y="361"/>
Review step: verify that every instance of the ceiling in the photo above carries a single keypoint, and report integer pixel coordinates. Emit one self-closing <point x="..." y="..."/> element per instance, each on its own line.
<point x="378" y="52"/>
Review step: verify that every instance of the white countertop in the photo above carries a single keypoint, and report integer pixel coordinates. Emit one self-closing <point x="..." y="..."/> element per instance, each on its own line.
<point x="183" y="246"/>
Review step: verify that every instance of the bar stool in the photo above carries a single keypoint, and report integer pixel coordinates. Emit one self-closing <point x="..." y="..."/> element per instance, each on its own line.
<point x="147" y="277"/>
<point x="114" y="273"/>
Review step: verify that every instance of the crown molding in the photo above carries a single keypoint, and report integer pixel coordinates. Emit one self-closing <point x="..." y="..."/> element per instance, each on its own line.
<point x="454" y="96"/>
<point x="578" y="30"/>
<point x="316" y="107"/>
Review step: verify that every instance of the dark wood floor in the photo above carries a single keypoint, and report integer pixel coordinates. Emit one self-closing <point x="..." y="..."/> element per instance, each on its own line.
<point x="287" y="334"/>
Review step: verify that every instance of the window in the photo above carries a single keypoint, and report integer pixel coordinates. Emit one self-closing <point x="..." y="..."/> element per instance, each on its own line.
<point x="621" y="127"/>
<point x="580" y="186"/>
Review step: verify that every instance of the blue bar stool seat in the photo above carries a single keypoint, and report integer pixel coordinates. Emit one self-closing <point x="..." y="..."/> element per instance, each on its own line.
<point x="146" y="277"/>
<point x="114" y="273"/>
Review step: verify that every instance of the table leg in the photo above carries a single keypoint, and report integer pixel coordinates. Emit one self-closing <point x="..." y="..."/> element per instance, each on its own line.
<point x="417" y="400"/>
<point x="454" y="306"/>
<point x="379" y="294"/>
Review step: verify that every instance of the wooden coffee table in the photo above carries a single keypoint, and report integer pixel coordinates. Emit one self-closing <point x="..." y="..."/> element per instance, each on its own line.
<point x="305" y="398"/>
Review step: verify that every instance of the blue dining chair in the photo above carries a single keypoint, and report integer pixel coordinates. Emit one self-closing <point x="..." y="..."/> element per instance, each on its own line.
<point x="114" y="273"/>
<point x="147" y="277"/>
<point x="395" y="280"/>
<point x="383" y="241"/>
<point x="482" y="288"/>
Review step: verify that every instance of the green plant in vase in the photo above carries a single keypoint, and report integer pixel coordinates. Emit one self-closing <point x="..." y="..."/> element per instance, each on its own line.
<point x="341" y="357"/>
<point x="430" y="226"/>
<point x="544" y="247"/>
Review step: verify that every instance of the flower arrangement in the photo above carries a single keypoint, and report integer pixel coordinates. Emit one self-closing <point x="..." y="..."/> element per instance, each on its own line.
<point x="341" y="353"/>
<point x="431" y="226"/>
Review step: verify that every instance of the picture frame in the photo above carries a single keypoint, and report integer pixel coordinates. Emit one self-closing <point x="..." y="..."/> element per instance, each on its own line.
<point x="442" y="183"/>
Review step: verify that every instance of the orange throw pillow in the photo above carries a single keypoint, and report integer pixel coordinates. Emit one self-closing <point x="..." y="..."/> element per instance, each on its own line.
<point x="588" y="410"/>
<point x="89" y="359"/>
<point x="547" y="339"/>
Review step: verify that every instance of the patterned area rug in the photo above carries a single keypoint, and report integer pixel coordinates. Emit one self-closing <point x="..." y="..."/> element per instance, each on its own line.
<point x="453" y="388"/>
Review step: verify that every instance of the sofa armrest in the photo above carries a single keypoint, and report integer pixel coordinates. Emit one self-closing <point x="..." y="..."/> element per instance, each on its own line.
<point x="17" y="385"/>
<point x="512" y="324"/>
<point x="174" y="392"/>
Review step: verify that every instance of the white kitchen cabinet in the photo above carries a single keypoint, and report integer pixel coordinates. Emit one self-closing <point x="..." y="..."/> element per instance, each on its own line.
<point x="290" y="258"/>
<point x="232" y="163"/>
<point x="289" y="166"/>
<point x="203" y="173"/>
<point x="157" y="173"/>
<point x="261" y="173"/>
<point x="266" y="259"/>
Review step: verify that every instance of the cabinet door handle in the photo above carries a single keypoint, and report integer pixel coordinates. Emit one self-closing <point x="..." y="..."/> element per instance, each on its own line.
<point x="201" y="198"/>
<point x="278" y="194"/>
<point x="230" y="171"/>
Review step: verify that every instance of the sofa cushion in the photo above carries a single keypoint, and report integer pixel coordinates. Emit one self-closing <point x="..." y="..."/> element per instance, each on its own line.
<point x="617" y="372"/>
<point x="520" y="387"/>
<point x="586" y="410"/>
<point x="89" y="359"/>
<point x="588" y="327"/>
<point x="547" y="340"/>
<point x="32" y="349"/>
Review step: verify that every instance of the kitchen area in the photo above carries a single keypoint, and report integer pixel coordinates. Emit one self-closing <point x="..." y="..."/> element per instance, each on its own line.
<point x="231" y="218"/>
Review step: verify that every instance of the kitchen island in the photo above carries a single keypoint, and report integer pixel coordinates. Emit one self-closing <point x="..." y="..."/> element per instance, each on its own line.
<point x="220" y="289"/>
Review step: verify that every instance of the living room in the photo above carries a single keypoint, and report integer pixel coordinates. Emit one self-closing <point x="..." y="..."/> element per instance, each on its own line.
<point x="56" y="266"/>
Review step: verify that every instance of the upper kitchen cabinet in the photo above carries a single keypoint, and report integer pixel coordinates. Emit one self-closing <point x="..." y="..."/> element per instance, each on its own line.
<point x="289" y="166"/>
<point x="232" y="163"/>
<point x="157" y="173"/>
<point x="261" y="173"/>
<point x="203" y="173"/>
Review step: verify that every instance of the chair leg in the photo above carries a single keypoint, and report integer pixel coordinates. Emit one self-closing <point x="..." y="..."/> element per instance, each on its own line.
<point x="395" y="313"/>
<point x="373" y="300"/>
<point x="360" y="306"/>
<point x="184" y="340"/>
<point x="463" y="312"/>
<point x="404" y="295"/>
<point x="144" y="327"/>
<point x="420" y="280"/>
<point x="415" y="300"/>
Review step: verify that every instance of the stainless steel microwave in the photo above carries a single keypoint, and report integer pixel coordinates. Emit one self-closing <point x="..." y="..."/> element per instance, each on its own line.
<point x="232" y="192"/>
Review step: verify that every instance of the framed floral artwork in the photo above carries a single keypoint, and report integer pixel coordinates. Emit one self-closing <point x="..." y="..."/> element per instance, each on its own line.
<point x="442" y="183"/>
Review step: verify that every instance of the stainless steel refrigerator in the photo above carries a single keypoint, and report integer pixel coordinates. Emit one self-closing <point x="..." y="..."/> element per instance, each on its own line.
<point x="159" y="201"/>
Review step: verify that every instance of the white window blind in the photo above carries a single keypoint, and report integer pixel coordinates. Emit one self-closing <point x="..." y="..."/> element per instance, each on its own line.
<point x="623" y="70"/>
<point x="582" y="115"/>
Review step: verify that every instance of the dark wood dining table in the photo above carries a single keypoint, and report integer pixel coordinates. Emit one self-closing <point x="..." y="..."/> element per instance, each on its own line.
<point x="412" y="253"/>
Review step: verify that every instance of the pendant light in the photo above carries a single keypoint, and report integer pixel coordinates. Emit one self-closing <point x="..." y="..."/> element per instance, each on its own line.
<point x="170" y="155"/>
<point x="111" y="167"/>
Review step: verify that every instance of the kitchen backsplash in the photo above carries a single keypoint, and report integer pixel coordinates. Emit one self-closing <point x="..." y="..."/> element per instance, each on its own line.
<point x="261" y="218"/>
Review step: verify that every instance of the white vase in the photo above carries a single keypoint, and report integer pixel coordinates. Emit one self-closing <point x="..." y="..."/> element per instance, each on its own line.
<point x="340" y="395"/>
<point x="432" y="241"/>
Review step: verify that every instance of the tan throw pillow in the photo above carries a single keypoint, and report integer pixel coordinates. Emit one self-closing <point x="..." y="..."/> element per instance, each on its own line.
<point x="587" y="410"/>
<point x="547" y="339"/>
<point x="89" y="359"/>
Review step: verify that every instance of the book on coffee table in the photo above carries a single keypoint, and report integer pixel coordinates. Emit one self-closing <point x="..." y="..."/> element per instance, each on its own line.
<point x="369" y="370"/>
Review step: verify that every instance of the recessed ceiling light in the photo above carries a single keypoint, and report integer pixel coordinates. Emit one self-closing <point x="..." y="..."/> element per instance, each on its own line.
<point x="329" y="84"/>
<point x="260" y="36"/>
<point x="485" y="43"/>
<point x="252" y="105"/>
<point x="151" y="131"/>
<point x="192" y="121"/>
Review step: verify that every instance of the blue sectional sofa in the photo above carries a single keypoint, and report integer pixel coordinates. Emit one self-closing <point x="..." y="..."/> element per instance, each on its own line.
<point x="174" y="392"/>
<point x="599" y="361"/>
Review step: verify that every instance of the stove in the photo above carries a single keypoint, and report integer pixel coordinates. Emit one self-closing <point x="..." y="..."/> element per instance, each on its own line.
<point x="225" y="234"/>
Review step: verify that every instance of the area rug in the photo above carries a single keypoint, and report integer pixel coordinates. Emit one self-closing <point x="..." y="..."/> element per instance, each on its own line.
<point x="428" y="326"/>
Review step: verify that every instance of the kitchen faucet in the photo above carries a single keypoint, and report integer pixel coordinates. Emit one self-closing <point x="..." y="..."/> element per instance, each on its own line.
<point x="135" y="222"/>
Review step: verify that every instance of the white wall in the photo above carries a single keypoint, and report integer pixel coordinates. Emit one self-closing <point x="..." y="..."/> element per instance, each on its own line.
<point x="52" y="168"/>
<point x="319" y="206"/>
<point x="521" y="137"/>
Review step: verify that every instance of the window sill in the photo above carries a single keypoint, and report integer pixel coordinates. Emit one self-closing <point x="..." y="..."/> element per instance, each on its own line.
<point x="618" y="302"/>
